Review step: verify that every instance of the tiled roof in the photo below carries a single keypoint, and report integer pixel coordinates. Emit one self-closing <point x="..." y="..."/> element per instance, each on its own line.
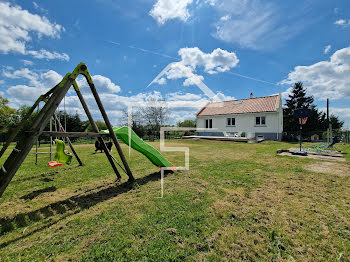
<point x="242" y="106"/>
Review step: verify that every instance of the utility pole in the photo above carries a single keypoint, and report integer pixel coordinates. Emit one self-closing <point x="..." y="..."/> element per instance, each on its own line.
<point x="328" y="121"/>
<point x="329" y="130"/>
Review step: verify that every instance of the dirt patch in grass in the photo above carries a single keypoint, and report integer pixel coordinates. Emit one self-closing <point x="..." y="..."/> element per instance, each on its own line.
<point x="318" y="157"/>
<point x="329" y="168"/>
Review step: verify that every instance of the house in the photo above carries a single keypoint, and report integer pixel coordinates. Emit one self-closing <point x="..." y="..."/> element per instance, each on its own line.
<point x="255" y="116"/>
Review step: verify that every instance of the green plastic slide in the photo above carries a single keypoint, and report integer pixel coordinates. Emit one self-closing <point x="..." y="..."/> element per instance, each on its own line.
<point x="61" y="156"/>
<point x="139" y="145"/>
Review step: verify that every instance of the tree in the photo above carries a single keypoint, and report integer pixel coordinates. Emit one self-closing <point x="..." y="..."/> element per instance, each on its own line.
<point x="18" y="116"/>
<point x="155" y="114"/>
<point x="71" y="122"/>
<point x="100" y="125"/>
<point x="186" y="123"/>
<point x="316" y="123"/>
<point x="297" y="99"/>
<point x="6" y="115"/>
<point x="137" y="123"/>
<point x="336" y="123"/>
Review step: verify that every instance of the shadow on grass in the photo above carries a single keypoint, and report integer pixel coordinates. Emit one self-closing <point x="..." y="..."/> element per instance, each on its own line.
<point x="36" y="193"/>
<point x="69" y="206"/>
<point x="46" y="177"/>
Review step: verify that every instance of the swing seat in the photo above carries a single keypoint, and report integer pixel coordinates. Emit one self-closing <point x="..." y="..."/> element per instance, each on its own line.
<point x="54" y="164"/>
<point x="61" y="156"/>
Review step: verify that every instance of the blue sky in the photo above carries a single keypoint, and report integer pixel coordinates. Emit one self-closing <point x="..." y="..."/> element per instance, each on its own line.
<point x="235" y="47"/>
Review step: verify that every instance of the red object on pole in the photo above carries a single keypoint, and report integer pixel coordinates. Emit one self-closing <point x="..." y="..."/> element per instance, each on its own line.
<point x="302" y="120"/>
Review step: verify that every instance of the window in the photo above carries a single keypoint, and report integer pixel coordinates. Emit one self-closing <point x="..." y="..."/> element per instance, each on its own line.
<point x="260" y="121"/>
<point x="209" y="123"/>
<point x="231" y="121"/>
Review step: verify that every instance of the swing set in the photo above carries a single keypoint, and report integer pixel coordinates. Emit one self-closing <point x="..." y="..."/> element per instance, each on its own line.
<point x="52" y="99"/>
<point x="61" y="156"/>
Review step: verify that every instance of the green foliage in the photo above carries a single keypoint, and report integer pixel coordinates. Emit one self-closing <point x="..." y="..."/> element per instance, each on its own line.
<point x="18" y="115"/>
<point x="316" y="123"/>
<point x="297" y="99"/>
<point x="336" y="123"/>
<point x="100" y="125"/>
<point x="6" y="114"/>
<point x="186" y="123"/>
<point x="71" y="122"/>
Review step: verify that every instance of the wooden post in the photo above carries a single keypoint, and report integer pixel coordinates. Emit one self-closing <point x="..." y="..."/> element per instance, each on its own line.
<point x="20" y="152"/>
<point x="36" y="145"/>
<point x="50" y="139"/>
<point x="328" y="129"/>
<point x="95" y="128"/>
<point x="111" y="131"/>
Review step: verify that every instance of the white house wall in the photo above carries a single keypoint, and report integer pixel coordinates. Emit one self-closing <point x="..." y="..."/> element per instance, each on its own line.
<point x="246" y="123"/>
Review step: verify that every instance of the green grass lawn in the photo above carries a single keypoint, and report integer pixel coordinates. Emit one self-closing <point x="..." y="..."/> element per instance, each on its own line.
<point x="238" y="202"/>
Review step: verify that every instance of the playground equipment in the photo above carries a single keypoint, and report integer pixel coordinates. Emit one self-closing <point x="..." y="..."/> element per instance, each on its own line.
<point x="325" y="148"/>
<point x="61" y="156"/>
<point x="55" y="122"/>
<point x="302" y="114"/>
<point x="52" y="99"/>
<point x="129" y="137"/>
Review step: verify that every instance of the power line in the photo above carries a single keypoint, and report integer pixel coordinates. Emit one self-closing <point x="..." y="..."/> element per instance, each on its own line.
<point x="168" y="56"/>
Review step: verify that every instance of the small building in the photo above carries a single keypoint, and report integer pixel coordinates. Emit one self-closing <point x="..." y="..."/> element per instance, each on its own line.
<point x="254" y="116"/>
<point x="315" y="137"/>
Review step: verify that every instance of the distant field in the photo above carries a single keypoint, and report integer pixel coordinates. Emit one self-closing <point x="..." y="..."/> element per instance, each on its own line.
<point x="238" y="202"/>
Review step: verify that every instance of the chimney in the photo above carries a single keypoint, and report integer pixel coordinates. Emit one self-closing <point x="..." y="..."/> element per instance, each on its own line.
<point x="251" y="95"/>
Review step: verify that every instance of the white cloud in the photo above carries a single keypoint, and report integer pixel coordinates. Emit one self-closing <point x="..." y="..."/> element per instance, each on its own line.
<point x="2" y="82"/>
<point x="183" y="96"/>
<point x="327" y="49"/>
<point x="17" y="27"/>
<point x="23" y="94"/>
<point x="38" y="83"/>
<point x="44" y="54"/>
<point x="25" y="73"/>
<point x="35" y="83"/>
<point x="252" y="24"/>
<point x="32" y="84"/>
<point x="50" y="78"/>
<point x="161" y="81"/>
<point x="27" y="62"/>
<point x="193" y="80"/>
<point x="211" y="2"/>
<point x="164" y="10"/>
<point x="192" y="59"/>
<point x="341" y="112"/>
<point x="221" y="97"/>
<point x="103" y="84"/>
<point x="37" y="7"/>
<point x="342" y="22"/>
<point x="225" y="18"/>
<point x="326" y="78"/>
<point x="217" y="61"/>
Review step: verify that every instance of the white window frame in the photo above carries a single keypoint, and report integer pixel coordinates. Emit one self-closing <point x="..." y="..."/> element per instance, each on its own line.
<point x="230" y="118"/>
<point x="260" y="120"/>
